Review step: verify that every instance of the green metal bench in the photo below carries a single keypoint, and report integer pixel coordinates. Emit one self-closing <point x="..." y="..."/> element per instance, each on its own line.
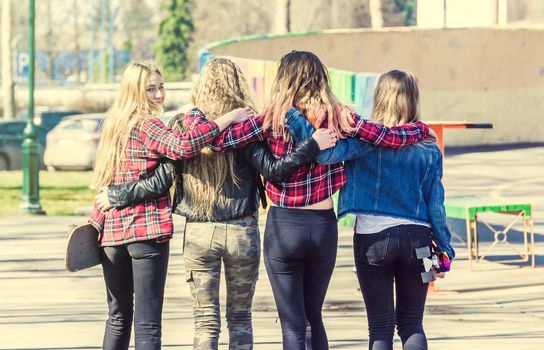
<point x="469" y="208"/>
<point x="348" y="220"/>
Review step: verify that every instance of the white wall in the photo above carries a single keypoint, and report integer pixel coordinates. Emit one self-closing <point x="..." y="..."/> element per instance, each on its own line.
<point x="459" y="13"/>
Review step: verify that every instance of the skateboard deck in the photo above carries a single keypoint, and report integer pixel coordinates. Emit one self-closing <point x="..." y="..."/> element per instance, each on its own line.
<point x="82" y="250"/>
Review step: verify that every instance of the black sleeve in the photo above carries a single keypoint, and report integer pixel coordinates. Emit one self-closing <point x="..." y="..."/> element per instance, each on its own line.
<point x="275" y="170"/>
<point x="136" y="191"/>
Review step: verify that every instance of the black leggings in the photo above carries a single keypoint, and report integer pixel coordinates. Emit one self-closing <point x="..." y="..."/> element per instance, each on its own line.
<point x="299" y="254"/>
<point x="135" y="275"/>
<point x="381" y="259"/>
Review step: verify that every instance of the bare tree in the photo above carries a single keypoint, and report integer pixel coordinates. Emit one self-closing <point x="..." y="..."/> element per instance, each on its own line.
<point x="8" y="98"/>
<point x="229" y="18"/>
<point x="136" y="19"/>
<point x="49" y="42"/>
<point x="349" y="14"/>
<point x="77" y="34"/>
<point x="328" y="14"/>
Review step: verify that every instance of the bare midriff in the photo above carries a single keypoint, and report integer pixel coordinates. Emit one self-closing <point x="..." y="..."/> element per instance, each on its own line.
<point x="324" y="204"/>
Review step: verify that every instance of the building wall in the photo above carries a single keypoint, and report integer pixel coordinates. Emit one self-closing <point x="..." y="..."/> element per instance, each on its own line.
<point x="493" y="75"/>
<point x="477" y="13"/>
<point x="459" y="13"/>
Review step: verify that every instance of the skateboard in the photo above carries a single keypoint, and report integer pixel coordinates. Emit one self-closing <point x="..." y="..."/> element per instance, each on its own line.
<point x="82" y="250"/>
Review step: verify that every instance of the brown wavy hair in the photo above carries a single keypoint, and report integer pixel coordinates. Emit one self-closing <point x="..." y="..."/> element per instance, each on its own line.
<point x="302" y="81"/>
<point x="396" y="99"/>
<point x="221" y="87"/>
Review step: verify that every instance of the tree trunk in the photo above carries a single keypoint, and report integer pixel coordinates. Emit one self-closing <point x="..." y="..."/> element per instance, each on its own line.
<point x="8" y="98"/>
<point x="77" y="33"/>
<point x="50" y="43"/>
<point x="282" y="21"/>
<point x="376" y="15"/>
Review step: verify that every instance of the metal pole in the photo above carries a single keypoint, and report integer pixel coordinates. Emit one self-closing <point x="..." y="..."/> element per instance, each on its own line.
<point x="31" y="160"/>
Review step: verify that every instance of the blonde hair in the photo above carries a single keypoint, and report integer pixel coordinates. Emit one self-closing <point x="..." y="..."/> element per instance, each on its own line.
<point x="220" y="88"/>
<point x="130" y="107"/>
<point x="396" y="99"/>
<point x="302" y="81"/>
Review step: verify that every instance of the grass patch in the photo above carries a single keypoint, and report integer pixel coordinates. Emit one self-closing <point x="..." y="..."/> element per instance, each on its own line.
<point x="60" y="192"/>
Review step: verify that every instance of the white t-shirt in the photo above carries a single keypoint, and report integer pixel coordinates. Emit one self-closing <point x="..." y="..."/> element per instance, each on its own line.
<point x="367" y="224"/>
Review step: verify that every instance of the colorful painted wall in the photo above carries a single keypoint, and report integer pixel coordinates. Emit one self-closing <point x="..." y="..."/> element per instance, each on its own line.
<point x="488" y="75"/>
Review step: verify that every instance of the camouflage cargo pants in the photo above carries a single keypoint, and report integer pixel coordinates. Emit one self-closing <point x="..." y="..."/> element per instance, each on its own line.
<point x="236" y="243"/>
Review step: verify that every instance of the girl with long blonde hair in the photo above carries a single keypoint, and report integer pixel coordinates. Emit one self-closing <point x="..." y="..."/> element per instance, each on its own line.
<point x="301" y="233"/>
<point x="134" y="239"/>
<point x="398" y="198"/>
<point x="218" y="195"/>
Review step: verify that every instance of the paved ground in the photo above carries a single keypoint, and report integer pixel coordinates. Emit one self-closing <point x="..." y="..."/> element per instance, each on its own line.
<point x="493" y="306"/>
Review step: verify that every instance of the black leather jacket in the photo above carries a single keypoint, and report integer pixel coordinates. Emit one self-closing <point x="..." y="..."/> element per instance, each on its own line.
<point x="243" y="199"/>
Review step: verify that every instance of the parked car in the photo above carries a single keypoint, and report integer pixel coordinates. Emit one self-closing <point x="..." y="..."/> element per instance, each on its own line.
<point x="12" y="137"/>
<point x="73" y="142"/>
<point x="48" y="117"/>
<point x="11" y="141"/>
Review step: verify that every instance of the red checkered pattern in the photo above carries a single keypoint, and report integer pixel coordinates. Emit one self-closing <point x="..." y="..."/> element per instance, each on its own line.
<point x="148" y="142"/>
<point x="394" y="137"/>
<point x="314" y="182"/>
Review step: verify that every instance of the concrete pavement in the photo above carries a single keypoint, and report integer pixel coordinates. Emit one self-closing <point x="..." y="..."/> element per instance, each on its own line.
<point x="494" y="306"/>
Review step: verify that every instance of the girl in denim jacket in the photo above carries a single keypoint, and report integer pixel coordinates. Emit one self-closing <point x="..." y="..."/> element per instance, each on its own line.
<point x="398" y="197"/>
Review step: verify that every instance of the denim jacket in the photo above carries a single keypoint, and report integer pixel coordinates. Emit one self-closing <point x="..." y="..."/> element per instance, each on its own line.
<point x="403" y="183"/>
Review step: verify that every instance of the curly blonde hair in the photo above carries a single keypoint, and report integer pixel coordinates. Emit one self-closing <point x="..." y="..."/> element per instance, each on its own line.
<point x="220" y="88"/>
<point x="302" y="81"/>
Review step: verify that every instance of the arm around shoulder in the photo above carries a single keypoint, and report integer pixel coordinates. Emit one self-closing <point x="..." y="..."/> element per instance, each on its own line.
<point x="393" y="137"/>
<point x="155" y="186"/>
<point x="163" y="141"/>
<point x="276" y="170"/>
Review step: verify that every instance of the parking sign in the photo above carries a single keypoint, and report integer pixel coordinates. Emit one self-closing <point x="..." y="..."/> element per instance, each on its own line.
<point x="22" y="64"/>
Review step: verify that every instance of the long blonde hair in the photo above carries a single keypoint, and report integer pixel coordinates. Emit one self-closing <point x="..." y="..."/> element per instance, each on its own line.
<point x="396" y="99"/>
<point x="302" y="81"/>
<point x="130" y="107"/>
<point x="220" y="88"/>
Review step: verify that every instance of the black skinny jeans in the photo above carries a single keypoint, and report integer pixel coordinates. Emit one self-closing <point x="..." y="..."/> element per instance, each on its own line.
<point x="135" y="270"/>
<point x="299" y="254"/>
<point x="380" y="259"/>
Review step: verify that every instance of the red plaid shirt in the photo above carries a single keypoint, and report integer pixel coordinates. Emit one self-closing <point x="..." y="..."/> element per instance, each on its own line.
<point x="314" y="182"/>
<point x="148" y="142"/>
